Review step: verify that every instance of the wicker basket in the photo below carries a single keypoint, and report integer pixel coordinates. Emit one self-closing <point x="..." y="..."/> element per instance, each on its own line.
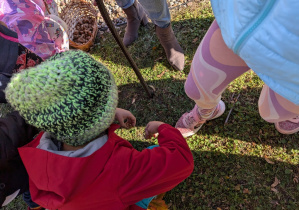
<point x="73" y="12"/>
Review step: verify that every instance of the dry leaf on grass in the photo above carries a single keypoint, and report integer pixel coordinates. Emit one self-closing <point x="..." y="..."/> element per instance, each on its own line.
<point x="152" y="87"/>
<point x="160" y="58"/>
<point x="158" y="203"/>
<point x="276" y="182"/>
<point x="133" y="100"/>
<point x="160" y="75"/>
<point x="269" y="161"/>
<point x="238" y="187"/>
<point x="274" y="190"/>
<point x="246" y="191"/>
<point x="195" y="40"/>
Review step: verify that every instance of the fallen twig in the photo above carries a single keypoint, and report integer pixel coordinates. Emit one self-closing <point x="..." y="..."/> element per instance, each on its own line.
<point x="231" y="109"/>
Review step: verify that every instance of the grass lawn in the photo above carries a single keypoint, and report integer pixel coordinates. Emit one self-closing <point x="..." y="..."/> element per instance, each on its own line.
<point x="235" y="163"/>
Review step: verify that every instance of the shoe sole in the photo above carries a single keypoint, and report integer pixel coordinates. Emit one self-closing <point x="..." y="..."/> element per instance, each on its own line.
<point x="284" y="131"/>
<point x="185" y="135"/>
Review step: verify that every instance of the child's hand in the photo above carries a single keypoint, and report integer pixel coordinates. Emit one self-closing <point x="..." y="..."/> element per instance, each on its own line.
<point x="125" y="118"/>
<point x="152" y="129"/>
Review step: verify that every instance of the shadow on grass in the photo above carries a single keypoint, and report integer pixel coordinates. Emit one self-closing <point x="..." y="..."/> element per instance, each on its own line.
<point x="227" y="181"/>
<point x="229" y="171"/>
<point x="170" y="102"/>
<point x="147" y="52"/>
<point x="232" y="181"/>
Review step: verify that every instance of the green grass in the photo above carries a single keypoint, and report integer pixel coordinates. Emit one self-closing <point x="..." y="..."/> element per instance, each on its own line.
<point x="235" y="163"/>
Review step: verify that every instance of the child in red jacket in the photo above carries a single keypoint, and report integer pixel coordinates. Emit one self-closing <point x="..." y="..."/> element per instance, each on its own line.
<point x="78" y="162"/>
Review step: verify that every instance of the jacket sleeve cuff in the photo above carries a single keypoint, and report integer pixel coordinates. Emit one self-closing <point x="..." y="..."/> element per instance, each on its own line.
<point x="164" y="126"/>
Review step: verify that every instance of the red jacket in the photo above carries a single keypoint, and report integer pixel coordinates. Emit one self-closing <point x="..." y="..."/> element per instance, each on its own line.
<point x="113" y="178"/>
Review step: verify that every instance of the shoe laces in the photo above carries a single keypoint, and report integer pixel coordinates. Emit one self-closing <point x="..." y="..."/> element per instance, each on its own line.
<point x="190" y="121"/>
<point x="295" y="119"/>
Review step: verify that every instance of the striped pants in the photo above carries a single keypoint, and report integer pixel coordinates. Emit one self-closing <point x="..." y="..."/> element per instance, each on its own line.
<point x="214" y="66"/>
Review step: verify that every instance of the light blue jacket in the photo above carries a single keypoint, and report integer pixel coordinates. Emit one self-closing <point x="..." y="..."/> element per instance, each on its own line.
<point x="265" y="34"/>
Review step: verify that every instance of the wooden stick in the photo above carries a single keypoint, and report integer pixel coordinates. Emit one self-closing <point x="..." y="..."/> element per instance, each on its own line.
<point x="110" y="25"/>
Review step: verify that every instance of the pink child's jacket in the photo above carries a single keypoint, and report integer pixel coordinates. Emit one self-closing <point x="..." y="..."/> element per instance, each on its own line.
<point x="114" y="177"/>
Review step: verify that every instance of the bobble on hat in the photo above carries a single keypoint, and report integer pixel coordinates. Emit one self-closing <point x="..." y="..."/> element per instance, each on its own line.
<point x="71" y="96"/>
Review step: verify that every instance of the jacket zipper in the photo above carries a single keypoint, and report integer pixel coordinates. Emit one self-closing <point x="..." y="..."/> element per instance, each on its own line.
<point x="244" y="36"/>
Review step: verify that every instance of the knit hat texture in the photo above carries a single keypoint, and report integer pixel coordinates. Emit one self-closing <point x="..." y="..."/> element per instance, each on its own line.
<point x="71" y="96"/>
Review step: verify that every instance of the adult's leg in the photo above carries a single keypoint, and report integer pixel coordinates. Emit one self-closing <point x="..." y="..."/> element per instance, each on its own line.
<point x="276" y="109"/>
<point x="125" y="4"/>
<point x="213" y="67"/>
<point x="158" y="12"/>
<point x="135" y="17"/>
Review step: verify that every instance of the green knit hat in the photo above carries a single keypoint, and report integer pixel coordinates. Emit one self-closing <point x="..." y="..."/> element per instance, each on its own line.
<point x="71" y="96"/>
